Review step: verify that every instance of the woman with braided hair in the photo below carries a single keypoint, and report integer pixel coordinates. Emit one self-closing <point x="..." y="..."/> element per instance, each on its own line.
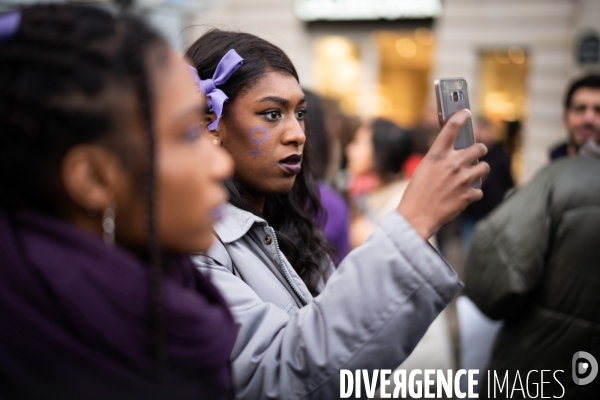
<point x="106" y="182"/>
<point x="270" y="260"/>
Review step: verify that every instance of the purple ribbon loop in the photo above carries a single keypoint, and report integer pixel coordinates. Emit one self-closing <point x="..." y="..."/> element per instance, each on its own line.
<point x="9" y="24"/>
<point x="216" y="98"/>
<point x="195" y="75"/>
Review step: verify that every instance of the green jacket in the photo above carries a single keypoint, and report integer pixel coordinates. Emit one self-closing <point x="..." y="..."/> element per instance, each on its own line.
<point x="535" y="262"/>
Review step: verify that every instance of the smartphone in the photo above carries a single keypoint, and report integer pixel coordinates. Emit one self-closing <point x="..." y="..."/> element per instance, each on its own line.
<point x="451" y="96"/>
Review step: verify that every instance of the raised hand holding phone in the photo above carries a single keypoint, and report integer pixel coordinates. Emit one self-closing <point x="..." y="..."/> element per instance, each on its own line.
<point x="452" y="95"/>
<point x="442" y="185"/>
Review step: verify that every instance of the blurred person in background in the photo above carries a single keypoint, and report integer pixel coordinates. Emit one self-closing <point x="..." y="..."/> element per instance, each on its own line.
<point x="494" y="186"/>
<point x="534" y="262"/>
<point x="342" y="128"/>
<point x="423" y="135"/>
<point x="581" y="117"/>
<point x="335" y="218"/>
<point x="377" y="183"/>
<point x="98" y="296"/>
<point x="300" y="320"/>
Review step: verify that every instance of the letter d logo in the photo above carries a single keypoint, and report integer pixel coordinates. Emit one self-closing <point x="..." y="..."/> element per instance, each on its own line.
<point x="583" y="367"/>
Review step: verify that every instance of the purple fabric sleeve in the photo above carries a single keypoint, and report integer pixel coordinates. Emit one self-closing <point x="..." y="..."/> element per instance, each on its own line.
<point x="337" y="225"/>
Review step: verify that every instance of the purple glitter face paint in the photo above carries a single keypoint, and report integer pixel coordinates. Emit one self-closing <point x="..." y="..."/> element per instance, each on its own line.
<point x="258" y="138"/>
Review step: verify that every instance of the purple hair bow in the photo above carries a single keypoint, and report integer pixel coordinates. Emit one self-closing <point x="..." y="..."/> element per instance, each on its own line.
<point x="9" y="24"/>
<point x="216" y="97"/>
<point x="195" y="76"/>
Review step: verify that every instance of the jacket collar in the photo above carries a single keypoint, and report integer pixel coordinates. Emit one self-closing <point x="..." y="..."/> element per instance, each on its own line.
<point x="590" y="149"/>
<point x="235" y="223"/>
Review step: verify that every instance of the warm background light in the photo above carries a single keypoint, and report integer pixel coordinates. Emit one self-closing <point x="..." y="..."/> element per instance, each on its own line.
<point x="424" y="36"/>
<point x="337" y="71"/>
<point x="406" y="48"/>
<point x="503" y="93"/>
<point x="516" y="54"/>
<point x="501" y="55"/>
<point x="404" y="74"/>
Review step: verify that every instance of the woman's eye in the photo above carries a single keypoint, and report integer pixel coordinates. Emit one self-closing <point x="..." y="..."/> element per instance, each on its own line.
<point x="273" y="115"/>
<point x="300" y="114"/>
<point x="192" y="134"/>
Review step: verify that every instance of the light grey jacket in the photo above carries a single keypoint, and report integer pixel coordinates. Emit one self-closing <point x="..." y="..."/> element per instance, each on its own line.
<point x="371" y="314"/>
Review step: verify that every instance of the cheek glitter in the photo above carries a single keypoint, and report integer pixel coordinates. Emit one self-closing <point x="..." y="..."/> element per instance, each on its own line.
<point x="258" y="139"/>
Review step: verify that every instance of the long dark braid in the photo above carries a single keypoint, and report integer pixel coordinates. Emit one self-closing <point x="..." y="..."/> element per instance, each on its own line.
<point x="54" y="74"/>
<point x="157" y="307"/>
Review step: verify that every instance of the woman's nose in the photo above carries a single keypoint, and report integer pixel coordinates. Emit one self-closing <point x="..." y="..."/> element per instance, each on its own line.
<point x="294" y="134"/>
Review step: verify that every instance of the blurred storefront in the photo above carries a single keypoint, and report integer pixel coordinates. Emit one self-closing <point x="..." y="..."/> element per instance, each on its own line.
<point x="519" y="57"/>
<point x="380" y="57"/>
<point x="373" y="57"/>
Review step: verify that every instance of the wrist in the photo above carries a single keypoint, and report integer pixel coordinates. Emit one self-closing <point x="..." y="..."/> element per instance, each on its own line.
<point x="420" y="223"/>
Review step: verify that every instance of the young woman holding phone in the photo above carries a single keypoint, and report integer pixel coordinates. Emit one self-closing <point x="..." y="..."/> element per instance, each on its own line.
<point x="300" y="322"/>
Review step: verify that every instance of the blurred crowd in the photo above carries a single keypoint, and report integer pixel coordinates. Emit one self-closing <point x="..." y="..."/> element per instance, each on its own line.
<point x="369" y="164"/>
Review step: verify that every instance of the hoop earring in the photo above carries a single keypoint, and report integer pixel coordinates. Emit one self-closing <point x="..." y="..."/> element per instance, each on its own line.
<point x="218" y="130"/>
<point x="108" y="226"/>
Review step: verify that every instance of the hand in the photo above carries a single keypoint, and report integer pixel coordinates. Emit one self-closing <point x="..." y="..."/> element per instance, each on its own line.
<point x="441" y="186"/>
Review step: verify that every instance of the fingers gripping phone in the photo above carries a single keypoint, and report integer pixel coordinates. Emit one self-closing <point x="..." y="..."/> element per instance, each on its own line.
<point x="452" y="96"/>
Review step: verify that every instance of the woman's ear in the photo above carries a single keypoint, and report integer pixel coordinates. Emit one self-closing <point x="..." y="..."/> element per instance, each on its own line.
<point x="91" y="176"/>
<point x="208" y="119"/>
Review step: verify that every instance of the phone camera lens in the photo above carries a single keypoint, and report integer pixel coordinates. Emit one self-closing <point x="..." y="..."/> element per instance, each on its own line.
<point x="454" y="96"/>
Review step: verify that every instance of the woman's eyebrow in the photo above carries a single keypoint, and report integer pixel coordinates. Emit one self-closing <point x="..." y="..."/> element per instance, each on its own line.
<point x="274" y="99"/>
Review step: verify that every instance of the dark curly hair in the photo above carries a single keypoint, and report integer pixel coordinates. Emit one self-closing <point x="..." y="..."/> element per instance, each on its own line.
<point x="292" y="214"/>
<point x="58" y="76"/>
<point x="591" y="81"/>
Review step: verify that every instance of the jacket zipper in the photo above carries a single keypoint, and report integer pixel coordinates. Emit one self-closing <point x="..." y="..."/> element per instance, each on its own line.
<point x="286" y="273"/>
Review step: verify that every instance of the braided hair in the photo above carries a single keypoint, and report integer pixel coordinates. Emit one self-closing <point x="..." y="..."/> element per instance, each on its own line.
<point x="58" y="77"/>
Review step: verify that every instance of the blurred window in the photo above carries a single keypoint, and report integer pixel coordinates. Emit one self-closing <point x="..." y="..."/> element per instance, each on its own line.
<point x="337" y="71"/>
<point x="503" y="96"/>
<point x="404" y="81"/>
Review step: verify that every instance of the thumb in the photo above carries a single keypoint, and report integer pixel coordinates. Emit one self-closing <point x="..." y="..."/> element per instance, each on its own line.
<point x="447" y="136"/>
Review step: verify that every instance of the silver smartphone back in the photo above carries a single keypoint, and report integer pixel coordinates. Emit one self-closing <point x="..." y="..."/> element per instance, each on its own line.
<point x="451" y="95"/>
